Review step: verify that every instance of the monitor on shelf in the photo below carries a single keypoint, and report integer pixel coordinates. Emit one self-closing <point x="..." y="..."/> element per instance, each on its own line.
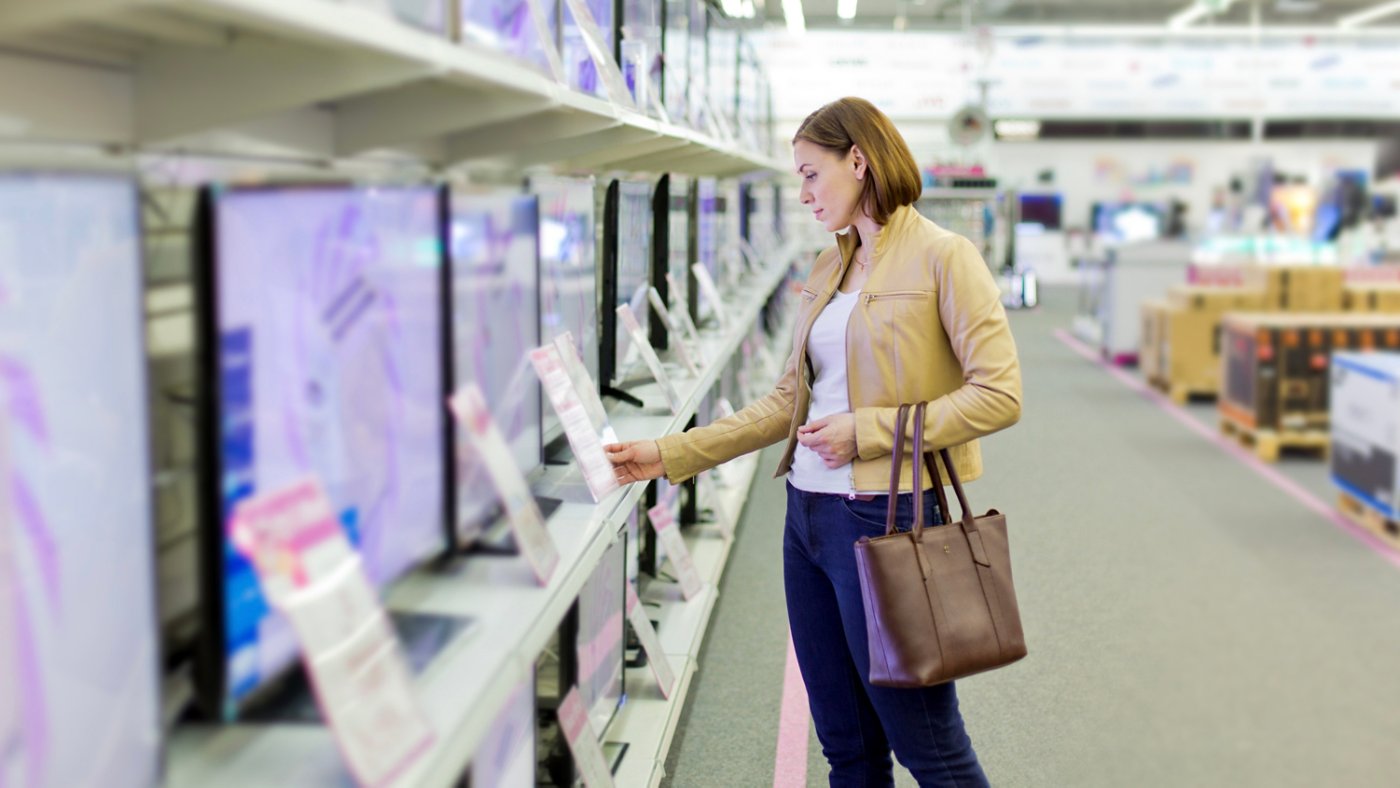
<point x="506" y="26"/>
<point x="493" y="243"/>
<point x="580" y="72"/>
<point x="599" y="636"/>
<point x="321" y="307"/>
<point x="79" y="635"/>
<point x="627" y="274"/>
<point x="568" y="272"/>
<point x="637" y="45"/>
<point x="675" y="42"/>
<point x="1127" y="222"/>
<point x="681" y="243"/>
<point x="706" y="213"/>
<point x="698" y="65"/>
<point x="661" y="257"/>
<point x="506" y="757"/>
<point x="1041" y="209"/>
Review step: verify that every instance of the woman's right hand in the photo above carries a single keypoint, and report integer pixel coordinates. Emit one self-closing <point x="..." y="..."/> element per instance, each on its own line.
<point x="635" y="461"/>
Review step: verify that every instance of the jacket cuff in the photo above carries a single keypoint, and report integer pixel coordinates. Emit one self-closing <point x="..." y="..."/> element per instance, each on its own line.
<point x="675" y="460"/>
<point x="873" y="439"/>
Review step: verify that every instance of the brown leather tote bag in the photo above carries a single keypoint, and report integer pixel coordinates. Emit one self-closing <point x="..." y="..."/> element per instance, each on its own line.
<point x="939" y="602"/>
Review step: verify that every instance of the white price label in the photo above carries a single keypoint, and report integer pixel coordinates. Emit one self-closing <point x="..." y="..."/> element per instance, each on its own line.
<point x="658" y="305"/>
<point x="711" y="293"/>
<point x="663" y="521"/>
<point x="526" y="521"/>
<point x="682" y="313"/>
<point x="657" y="660"/>
<point x="639" y="341"/>
<point x="583" y="435"/>
<point x="583" y="742"/>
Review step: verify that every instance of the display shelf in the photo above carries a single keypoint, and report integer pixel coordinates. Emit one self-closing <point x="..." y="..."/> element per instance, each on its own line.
<point x="648" y="723"/>
<point x="174" y="69"/>
<point x="465" y="687"/>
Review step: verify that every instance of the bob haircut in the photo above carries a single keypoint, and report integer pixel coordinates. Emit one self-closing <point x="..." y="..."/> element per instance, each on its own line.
<point x="894" y="177"/>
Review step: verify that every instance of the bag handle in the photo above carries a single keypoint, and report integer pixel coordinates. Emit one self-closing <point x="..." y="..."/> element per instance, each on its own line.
<point x="895" y="465"/>
<point x="924" y="458"/>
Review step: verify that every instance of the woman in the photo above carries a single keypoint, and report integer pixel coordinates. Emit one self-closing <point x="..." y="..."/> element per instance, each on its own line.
<point x="899" y="311"/>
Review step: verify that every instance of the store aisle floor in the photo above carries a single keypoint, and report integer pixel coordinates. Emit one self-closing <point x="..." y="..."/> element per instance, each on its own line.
<point x="1188" y="622"/>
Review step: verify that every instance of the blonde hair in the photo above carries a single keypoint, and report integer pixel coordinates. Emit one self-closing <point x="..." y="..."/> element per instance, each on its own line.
<point x="894" y="177"/>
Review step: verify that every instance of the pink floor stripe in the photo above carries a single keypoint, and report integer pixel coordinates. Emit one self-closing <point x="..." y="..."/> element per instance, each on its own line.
<point x="1270" y="474"/>
<point x="794" y="723"/>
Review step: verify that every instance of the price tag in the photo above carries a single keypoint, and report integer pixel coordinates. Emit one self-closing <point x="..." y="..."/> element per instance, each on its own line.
<point x="711" y="293"/>
<point x="583" y="435"/>
<point x="711" y="494"/>
<point x="469" y="406"/>
<point x="583" y="742"/>
<point x="683" y="314"/>
<point x="639" y="341"/>
<point x="309" y="572"/>
<point x="657" y="660"/>
<point x="677" y="341"/>
<point x="663" y="521"/>
<point x="584" y="386"/>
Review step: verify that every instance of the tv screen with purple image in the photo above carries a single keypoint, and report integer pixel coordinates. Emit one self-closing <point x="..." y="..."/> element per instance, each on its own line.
<point x="79" y="639"/>
<point x="634" y="219"/>
<point x="568" y="270"/>
<point x="494" y="244"/>
<point x="507" y="26"/>
<point x="327" y="326"/>
<point x="580" y="70"/>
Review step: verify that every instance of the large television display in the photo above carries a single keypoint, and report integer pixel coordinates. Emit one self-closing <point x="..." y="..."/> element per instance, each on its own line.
<point x="675" y="41"/>
<point x="506" y="26"/>
<point x="494" y="244"/>
<point x="626" y="274"/>
<point x="325" y="329"/>
<point x="79" y="639"/>
<point x="600" y="636"/>
<point x="568" y="270"/>
<point x="707" y="234"/>
<point x="681" y="242"/>
<point x="579" y="69"/>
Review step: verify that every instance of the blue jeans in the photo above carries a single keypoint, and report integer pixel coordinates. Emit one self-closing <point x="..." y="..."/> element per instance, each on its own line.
<point x="856" y="722"/>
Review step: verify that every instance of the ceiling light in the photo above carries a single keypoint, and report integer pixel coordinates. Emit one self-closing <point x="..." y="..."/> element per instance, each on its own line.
<point x="846" y="9"/>
<point x="1369" y="15"/>
<point x="1017" y="129"/>
<point x="1193" y="13"/>
<point x="796" y="20"/>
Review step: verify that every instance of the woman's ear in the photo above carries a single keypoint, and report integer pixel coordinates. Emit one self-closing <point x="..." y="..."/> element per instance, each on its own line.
<point x="858" y="162"/>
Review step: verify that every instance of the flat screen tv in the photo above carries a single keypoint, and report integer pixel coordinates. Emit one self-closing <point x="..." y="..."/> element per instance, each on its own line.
<point x="79" y="636"/>
<point x="627" y="226"/>
<point x="322" y="315"/>
<point x="568" y="272"/>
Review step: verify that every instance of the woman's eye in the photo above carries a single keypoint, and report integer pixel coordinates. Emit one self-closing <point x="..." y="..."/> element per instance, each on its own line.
<point x="810" y="176"/>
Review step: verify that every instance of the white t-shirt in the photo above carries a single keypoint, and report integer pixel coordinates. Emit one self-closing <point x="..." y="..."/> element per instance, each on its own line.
<point x="826" y="348"/>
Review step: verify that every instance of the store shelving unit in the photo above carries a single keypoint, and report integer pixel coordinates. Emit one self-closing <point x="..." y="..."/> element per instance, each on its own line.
<point x="467" y="685"/>
<point x="179" y="74"/>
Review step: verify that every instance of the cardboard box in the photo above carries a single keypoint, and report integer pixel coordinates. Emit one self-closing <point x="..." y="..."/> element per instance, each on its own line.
<point x="1191" y="350"/>
<point x="1298" y="288"/>
<point x="1210" y="298"/>
<point x="1371" y="297"/>
<point x="1275" y="365"/>
<point x="1365" y="416"/>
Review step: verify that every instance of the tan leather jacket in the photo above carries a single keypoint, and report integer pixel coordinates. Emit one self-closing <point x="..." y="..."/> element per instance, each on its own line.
<point x="929" y="327"/>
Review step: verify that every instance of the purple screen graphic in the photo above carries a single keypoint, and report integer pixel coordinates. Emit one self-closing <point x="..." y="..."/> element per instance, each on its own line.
<point x="634" y="221"/>
<point x="507" y="26"/>
<point x="329" y="315"/>
<point x="78" y="633"/>
<point x="568" y="269"/>
<point x="496" y="323"/>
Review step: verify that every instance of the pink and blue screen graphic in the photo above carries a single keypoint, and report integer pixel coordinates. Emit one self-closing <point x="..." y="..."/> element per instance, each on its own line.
<point x="329" y="354"/>
<point x="496" y="323"/>
<point x="79" y="661"/>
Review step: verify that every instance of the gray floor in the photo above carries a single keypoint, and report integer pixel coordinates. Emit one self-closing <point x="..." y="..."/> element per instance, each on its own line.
<point x="1189" y="623"/>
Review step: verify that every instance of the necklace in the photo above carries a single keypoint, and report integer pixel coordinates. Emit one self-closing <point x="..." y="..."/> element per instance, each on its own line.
<point x="863" y="265"/>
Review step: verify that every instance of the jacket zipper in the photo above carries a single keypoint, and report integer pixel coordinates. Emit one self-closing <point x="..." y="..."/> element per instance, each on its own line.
<point x="894" y="294"/>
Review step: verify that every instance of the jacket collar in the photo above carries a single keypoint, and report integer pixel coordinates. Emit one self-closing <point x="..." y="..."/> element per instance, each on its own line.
<point x="900" y="220"/>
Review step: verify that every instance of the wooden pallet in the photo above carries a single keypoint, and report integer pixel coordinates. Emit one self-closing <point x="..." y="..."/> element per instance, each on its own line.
<point x="1367" y="517"/>
<point x="1268" y="444"/>
<point x="1181" y="393"/>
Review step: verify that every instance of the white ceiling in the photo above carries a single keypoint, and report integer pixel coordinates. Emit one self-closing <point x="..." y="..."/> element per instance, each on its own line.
<point x="924" y="14"/>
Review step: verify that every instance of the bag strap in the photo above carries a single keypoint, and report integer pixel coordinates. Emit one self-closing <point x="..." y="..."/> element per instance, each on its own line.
<point x="896" y="462"/>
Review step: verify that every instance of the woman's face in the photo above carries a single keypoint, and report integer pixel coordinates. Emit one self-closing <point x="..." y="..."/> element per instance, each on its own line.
<point x="830" y="183"/>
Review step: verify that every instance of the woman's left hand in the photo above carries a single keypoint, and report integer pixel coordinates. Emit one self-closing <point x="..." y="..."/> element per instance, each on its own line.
<point x="833" y="438"/>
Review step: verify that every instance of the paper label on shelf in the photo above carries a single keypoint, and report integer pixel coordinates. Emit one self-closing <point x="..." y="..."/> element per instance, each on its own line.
<point x="476" y="421"/>
<point x="677" y="341"/>
<point x="639" y="341"/>
<point x="663" y="521"/>
<point x="309" y="572"/>
<point x="601" y="54"/>
<point x="583" y="435"/>
<point x="657" y="660"/>
<point x="710" y="493"/>
<point x="711" y="293"/>
<point x="682" y="313"/>
<point x="583" y="742"/>
<point x="584" y="386"/>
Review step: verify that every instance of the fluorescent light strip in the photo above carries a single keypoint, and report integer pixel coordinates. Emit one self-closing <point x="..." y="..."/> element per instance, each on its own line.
<point x="1187" y="16"/>
<point x="1369" y="15"/>
<point x="846" y="9"/>
<point x="796" y="20"/>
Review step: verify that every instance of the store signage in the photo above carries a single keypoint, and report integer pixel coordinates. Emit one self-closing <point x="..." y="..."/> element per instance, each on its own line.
<point x="583" y="742"/>
<point x="657" y="660"/>
<point x="526" y="521"/>
<point x="663" y="521"/>
<point x="710" y="292"/>
<point x="586" y="434"/>
<point x="682" y="313"/>
<point x="658" y="305"/>
<point x="643" y="344"/>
